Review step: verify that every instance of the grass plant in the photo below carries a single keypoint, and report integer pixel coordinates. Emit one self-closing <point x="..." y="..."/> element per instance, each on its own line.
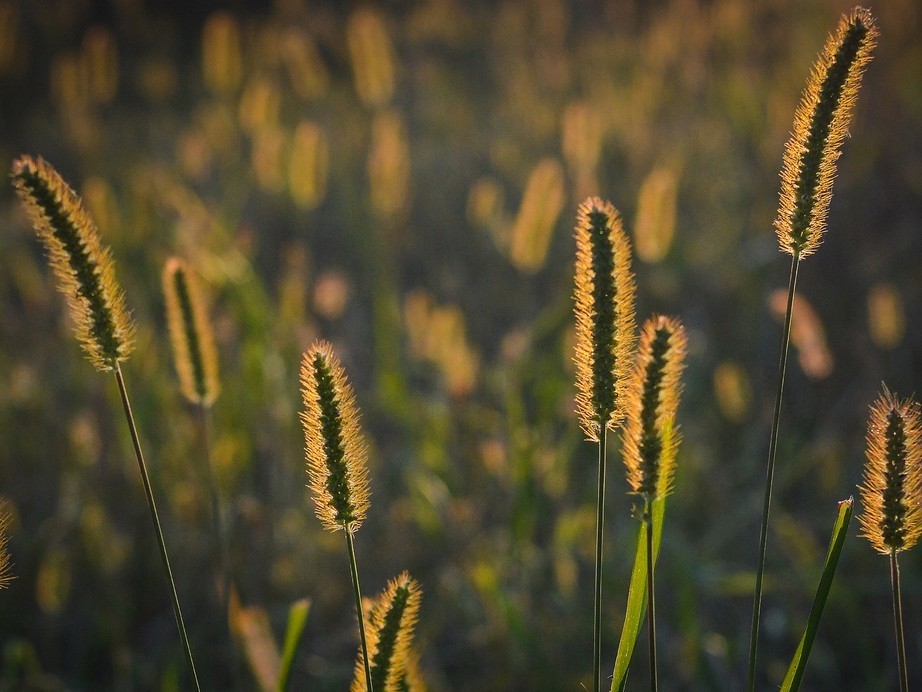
<point x="484" y="497"/>
<point x="891" y="495"/>
<point x="86" y="276"/>
<point x="604" y="307"/>
<point x="336" y="459"/>
<point x="651" y="437"/>
<point x="820" y="128"/>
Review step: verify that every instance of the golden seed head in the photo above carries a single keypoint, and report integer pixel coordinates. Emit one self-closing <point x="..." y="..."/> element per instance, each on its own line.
<point x="190" y="333"/>
<point x="820" y="127"/>
<point x="604" y="306"/>
<point x="651" y="436"/>
<point x="336" y="453"/>
<point x="891" y="493"/>
<point x="390" y="637"/>
<point x="84" y="268"/>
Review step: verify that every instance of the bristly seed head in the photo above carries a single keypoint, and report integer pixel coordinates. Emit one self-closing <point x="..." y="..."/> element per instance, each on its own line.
<point x="891" y="493"/>
<point x="336" y="453"/>
<point x="190" y="333"/>
<point x="820" y="127"/>
<point x="390" y="637"/>
<point x="651" y="436"/>
<point x="84" y="268"/>
<point x="604" y="306"/>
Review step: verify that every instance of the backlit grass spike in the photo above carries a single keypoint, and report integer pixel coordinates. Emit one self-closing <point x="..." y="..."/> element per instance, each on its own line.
<point x="891" y="493"/>
<point x="336" y="452"/>
<point x="82" y="265"/>
<point x="604" y="306"/>
<point x="820" y="127"/>
<point x="390" y="636"/>
<point x="651" y="437"/>
<point x="190" y="333"/>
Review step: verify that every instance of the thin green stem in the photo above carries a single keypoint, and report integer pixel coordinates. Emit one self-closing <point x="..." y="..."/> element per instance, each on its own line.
<point x="597" y="614"/>
<point x="898" y="622"/>
<point x="769" y="476"/>
<point x="152" y="505"/>
<point x="358" y="607"/>
<point x="651" y="603"/>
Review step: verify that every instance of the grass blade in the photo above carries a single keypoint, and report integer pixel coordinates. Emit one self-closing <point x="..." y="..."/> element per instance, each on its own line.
<point x="297" y="618"/>
<point x="799" y="662"/>
<point x="637" y="596"/>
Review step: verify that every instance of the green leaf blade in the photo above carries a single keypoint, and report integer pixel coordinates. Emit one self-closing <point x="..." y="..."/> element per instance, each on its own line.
<point x="297" y="618"/>
<point x="798" y="665"/>
<point x="636" y="608"/>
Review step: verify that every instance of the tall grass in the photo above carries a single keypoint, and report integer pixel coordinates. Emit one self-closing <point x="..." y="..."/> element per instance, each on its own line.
<point x="496" y="573"/>
<point x="820" y="128"/>
<point x="86" y="277"/>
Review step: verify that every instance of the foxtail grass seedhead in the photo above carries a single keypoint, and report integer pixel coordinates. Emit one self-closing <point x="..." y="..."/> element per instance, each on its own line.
<point x="84" y="268"/>
<point x="892" y="489"/>
<point x="604" y="305"/>
<point x="336" y="454"/>
<point x="820" y="127"/>
<point x="390" y="638"/>
<point x="190" y="333"/>
<point x="651" y="436"/>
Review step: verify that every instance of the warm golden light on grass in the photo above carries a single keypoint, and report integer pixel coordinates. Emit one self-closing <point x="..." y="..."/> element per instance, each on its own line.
<point x="336" y="454"/>
<point x="82" y="265"/>
<point x="820" y="128"/>
<point x="604" y="307"/>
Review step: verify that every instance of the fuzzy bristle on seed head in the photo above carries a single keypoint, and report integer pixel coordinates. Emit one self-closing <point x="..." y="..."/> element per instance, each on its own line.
<point x="190" y="333"/>
<point x="83" y="267"/>
<point x="891" y="492"/>
<point x="651" y="436"/>
<point x="820" y="127"/>
<point x="390" y="637"/>
<point x="336" y="453"/>
<point x="603" y="299"/>
<point x="6" y="573"/>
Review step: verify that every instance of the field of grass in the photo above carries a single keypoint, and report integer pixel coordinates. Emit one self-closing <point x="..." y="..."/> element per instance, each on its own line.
<point x="402" y="179"/>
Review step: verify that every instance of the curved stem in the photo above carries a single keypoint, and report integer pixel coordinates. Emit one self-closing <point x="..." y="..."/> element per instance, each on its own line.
<point x="651" y="603"/>
<point x="898" y="622"/>
<point x="358" y="607"/>
<point x="769" y="476"/>
<point x="152" y="505"/>
<point x="597" y="613"/>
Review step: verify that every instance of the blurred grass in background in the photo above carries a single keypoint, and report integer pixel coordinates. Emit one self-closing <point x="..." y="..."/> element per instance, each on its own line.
<point x="401" y="178"/>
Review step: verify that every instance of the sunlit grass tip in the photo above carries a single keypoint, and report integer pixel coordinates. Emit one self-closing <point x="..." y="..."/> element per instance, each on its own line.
<point x="604" y="306"/>
<point x="390" y="637"/>
<point x="336" y="452"/>
<point x="190" y="333"/>
<point x="820" y="127"/>
<point x="651" y="436"/>
<point x="83" y="266"/>
<point x="891" y="492"/>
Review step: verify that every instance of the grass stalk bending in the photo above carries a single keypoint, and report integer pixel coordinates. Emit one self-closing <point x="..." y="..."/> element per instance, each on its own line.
<point x="820" y="128"/>
<point x="891" y="494"/>
<point x="604" y="306"/>
<point x="86" y="276"/>
<point x="336" y="458"/>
